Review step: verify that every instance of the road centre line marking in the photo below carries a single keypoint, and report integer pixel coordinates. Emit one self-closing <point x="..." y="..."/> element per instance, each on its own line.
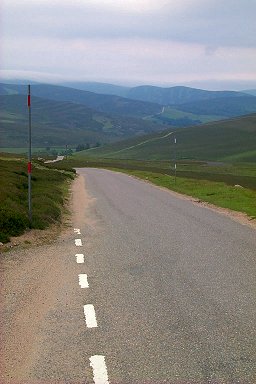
<point x="90" y="316"/>
<point x="83" y="282"/>
<point x="100" y="373"/>
<point x="79" y="258"/>
<point x="78" y="242"/>
<point x="77" y="231"/>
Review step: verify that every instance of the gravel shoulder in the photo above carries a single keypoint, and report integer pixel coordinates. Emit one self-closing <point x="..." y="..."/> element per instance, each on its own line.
<point x="37" y="279"/>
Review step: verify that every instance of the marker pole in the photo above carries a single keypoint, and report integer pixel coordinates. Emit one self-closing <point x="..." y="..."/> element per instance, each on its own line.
<point x="29" y="158"/>
<point x="175" y="162"/>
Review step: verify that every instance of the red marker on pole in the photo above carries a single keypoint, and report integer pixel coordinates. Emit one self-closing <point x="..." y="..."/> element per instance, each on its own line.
<point x="29" y="167"/>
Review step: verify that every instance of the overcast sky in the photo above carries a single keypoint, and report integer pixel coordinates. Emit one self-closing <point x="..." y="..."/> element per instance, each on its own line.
<point x="203" y="43"/>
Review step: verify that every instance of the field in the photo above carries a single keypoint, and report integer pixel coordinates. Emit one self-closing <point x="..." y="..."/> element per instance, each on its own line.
<point x="226" y="140"/>
<point x="49" y="191"/>
<point x="177" y="118"/>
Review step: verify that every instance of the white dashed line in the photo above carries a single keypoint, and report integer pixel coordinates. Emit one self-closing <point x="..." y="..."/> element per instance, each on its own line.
<point x="77" y="231"/>
<point x="83" y="282"/>
<point x="79" y="258"/>
<point x="78" y="242"/>
<point x="90" y="316"/>
<point x="100" y="374"/>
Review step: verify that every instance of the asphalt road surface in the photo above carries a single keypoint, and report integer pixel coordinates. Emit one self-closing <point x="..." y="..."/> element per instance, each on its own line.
<point x="144" y="287"/>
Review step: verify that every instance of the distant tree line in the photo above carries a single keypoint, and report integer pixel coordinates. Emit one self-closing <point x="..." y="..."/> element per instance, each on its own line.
<point x="84" y="147"/>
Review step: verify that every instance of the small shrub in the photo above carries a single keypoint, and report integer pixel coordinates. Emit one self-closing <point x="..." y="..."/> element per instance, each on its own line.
<point x="12" y="223"/>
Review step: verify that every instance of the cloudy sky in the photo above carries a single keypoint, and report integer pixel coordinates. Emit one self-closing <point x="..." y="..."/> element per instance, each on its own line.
<point x="203" y="43"/>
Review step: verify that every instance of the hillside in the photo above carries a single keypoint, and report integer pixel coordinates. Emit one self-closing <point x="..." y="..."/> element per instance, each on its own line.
<point x="226" y="106"/>
<point x="103" y="88"/>
<point x="250" y="92"/>
<point x="205" y="105"/>
<point x="60" y="123"/>
<point x="176" y="95"/>
<point x="103" y="103"/>
<point x="233" y="139"/>
<point x="160" y="95"/>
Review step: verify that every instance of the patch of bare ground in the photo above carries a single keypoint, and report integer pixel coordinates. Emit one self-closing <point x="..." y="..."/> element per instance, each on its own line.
<point x="36" y="280"/>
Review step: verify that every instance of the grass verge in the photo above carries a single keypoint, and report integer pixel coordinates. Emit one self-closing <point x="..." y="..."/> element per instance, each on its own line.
<point x="48" y="197"/>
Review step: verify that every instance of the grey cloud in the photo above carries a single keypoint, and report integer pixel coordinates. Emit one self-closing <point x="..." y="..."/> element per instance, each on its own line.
<point x="209" y="22"/>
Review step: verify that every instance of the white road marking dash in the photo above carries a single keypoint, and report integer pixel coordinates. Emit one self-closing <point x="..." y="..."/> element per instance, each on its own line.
<point x="90" y="316"/>
<point x="83" y="282"/>
<point x="79" y="258"/>
<point x="78" y="242"/>
<point x="77" y="231"/>
<point x="100" y="373"/>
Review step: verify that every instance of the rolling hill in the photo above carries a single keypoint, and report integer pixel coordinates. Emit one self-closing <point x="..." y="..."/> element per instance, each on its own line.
<point x="160" y="95"/>
<point x="59" y="123"/>
<point x="110" y="104"/>
<point x="176" y="95"/>
<point x="226" y="106"/>
<point x="228" y="140"/>
<point x="64" y="115"/>
<point x="201" y="106"/>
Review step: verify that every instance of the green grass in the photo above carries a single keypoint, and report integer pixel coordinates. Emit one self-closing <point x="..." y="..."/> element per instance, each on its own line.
<point x="172" y="114"/>
<point x="227" y="140"/>
<point x="48" y="196"/>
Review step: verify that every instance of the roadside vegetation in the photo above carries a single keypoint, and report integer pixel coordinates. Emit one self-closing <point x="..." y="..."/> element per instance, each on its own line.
<point x="49" y="191"/>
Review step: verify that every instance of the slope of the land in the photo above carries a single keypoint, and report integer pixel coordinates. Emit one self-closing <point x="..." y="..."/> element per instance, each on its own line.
<point x="160" y="95"/>
<point x="96" y="87"/>
<point x="250" y="92"/>
<point x="233" y="139"/>
<point x="189" y="106"/>
<point x="110" y="104"/>
<point x="61" y="123"/>
<point x="226" y="106"/>
<point x="176" y="95"/>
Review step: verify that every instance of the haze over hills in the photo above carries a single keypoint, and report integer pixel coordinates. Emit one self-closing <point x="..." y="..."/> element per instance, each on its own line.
<point x="250" y="92"/>
<point x="103" y="88"/>
<point x="160" y="95"/>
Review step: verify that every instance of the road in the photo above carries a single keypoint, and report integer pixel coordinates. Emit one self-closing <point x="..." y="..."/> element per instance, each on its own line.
<point x="143" y="287"/>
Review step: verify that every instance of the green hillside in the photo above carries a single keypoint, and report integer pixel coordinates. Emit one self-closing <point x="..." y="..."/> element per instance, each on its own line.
<point x="110" y="104"/>
<point x="227" y="140"/>
<point x="60" y="123"/>
<point x="176" y="95"/>
<point x="226" y="106"/>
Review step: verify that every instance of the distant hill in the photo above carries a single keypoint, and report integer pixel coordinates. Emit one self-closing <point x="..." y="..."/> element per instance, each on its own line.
<point x="107" y="118"/>
<point x="225" y="106"/>
<point x="228" y="140"/>
<point x="176" y="95"/>
<point x="59" y="123"/>
<point x="103" y="103"/>
<point x="159" y="95"/>
<point x="103" y="88"/>
<point x="250" y="92"/>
